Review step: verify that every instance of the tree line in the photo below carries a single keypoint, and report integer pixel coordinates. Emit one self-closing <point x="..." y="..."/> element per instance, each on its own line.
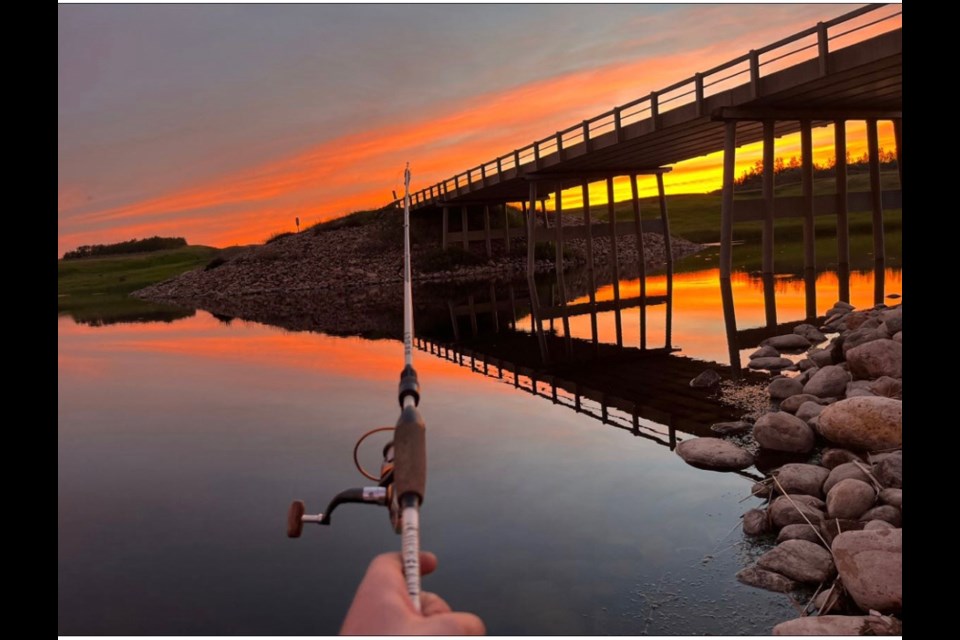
<point x="788" y="172"/>
<point x="156" y="243"/>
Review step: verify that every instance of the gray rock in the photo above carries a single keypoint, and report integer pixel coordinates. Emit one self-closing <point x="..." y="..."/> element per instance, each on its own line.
<point x="781" y="431"/>
<point x="821" y="626"/>
<point x="765" y="352"/>
<point x="807" y="479"/>
<point x="843" y="306"/>
<point x="788" y="342"/>
<point x="784" y="511"/>
<point x="892" y="497"/>
<point x="821" y="357"/>
<point x="781" y="388"/>
<point x="791" y="404"/>
<point x="771" y="364"/>
<point x="871" y="568"/>
<point x="799" y="560"/>
<point x="889" y="471"/>
<point x="731" y="428"/>
<point x="761" y="489"/>
<point x="830" y="528"/>
<point x="828" y="381"/>
<point x="798" y="532"/>
<point x="860" y="393"/>
<point x="893" y="320"/>
<point x="844" y="471"/>
<point x="858" y="337"/>
<point x="805" y="376"/>
<point x="809" y="410"/>
<point x="850" y="499"/>
<point x="754" y="576"/>
<point x="755" y="522"/>
<point x="898" y="337"/>
<point x="877" y="358"/>
<point x="810" y="332"/>
<point x="714" y="453"/>
<point x="706" y="379"/>
<point x="873" y="525"/>
<point x="884" y="512"/>
<point x="867" y="423"/>
<point x="887" y="387"/>
<point x="805" y="364"/>
<point x="831" y="457"/>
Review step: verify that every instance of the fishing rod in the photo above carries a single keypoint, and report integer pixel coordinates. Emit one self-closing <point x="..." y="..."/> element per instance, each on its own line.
<point x="403" y="471"/>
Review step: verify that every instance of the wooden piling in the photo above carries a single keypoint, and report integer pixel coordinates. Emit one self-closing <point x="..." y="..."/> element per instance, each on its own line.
<point x="898" y="139"/>
<point x="726" y="203"/>
<point x="591" y="275"/>
<point x="809" y="237"/>
<point x="506" y="228"/>
<point x="668" y="249"/>
<point x="446" y="227"/>
<point x="464" y="228"/>
<point x="876" y="198"/>
<point x="486" y="231"/>
<point x="615" y="258"/>
<point x="843" y="223"/>
<point x="768" y="211"/>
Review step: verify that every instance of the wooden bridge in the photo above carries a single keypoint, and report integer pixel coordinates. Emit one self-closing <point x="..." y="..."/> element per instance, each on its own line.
<point x="848" y="68"/>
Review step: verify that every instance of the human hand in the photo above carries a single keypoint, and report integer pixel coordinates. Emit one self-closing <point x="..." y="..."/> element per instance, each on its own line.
<point x="381" y="606"/>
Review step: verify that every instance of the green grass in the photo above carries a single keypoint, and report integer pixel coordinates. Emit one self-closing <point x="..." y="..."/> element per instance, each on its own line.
<point x="97" y="289"/>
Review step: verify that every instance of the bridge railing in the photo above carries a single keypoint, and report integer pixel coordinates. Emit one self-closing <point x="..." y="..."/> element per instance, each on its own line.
<point x="814" y="42"/>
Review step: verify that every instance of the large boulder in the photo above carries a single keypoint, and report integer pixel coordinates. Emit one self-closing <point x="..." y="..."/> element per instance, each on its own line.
<point x="893" y="320"/>
<point x="887" y="387"/>
<point x="714" y="453"/>
<point x="765" y="352"/>
<point x="850" y="499"/>
<point x="822" y="626"/>
<point x="807" y="479"/>
<point x="798" y="532"/>
<point x="755" y="522"/>
<point x="889" y="471"/>
<point x="883" y="512"/>
<point x="843" y="471"/>
<point x="781" y="388"/>
<point x="796" y="509"/>
<point x="730" y="428"/>
<point x="808" y="411"/>
<point x="754" y="576"/>
<point x="832" y="457"/>
<point x="876" y="358"/>
<point x="858" y="337"/>
<point x="810" y="332"/>
<point x="781" y="431"/>
<point x="821" y="357"/>
<point x="789" y="342"/>
<point x="829" y="381"/>
<point x="771" y="363"/>
<point x="871" y="568"/>
<point x="864" y="422"/>
<point x="799" y="560"/>
<point x="791" y="404"/>
<point x="892" y="497"/>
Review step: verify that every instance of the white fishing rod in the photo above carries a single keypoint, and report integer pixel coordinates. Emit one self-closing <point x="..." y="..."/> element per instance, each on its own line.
<point x="403" y="472"/>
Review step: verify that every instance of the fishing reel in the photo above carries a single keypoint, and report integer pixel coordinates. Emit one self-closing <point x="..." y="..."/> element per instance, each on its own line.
<point x="402" y="476"/>
<point x="382" y="494"/>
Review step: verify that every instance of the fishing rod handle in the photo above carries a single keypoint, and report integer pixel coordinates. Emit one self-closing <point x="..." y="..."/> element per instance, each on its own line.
<point x="410" y="454"/>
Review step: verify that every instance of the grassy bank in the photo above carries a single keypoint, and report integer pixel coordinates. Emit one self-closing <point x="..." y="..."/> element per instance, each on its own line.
<point x="96" y="290"/>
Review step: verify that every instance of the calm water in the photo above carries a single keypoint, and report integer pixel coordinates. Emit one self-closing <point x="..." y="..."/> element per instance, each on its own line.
<point x="181" y="445"/>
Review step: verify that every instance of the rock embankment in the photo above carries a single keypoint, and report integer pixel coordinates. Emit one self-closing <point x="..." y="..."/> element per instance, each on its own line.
<point x="835" y="509"/>
<point x="346" y="280"/>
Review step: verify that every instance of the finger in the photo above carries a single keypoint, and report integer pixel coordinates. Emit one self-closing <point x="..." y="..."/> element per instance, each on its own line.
<point x="428" y="563"/>
<point x="431" y="604"/>
<point x="455" y="624"/>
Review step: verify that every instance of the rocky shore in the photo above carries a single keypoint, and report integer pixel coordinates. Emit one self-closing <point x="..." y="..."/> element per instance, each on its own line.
<point x="830" y="445"/>
<point x="345" y="281"/>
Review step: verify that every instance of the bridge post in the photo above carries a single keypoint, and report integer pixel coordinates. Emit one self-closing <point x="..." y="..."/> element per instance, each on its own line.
<point x="495" y="312"/>
<point x="809" y="236"/>
<point x="558" y="205"/>
<point x="730" y="324"/>
<point x="843" y="224"/>
<point x="638" y="225"/>
<point x="453" y="321"/>
<point x="665" y="221"/>
<point x="898" y="138"/>
<point x="591" y="276"/>
<point x="768" y="211"/>
<point x="506" y="227"/>
<point x="726" y="203"/>
<point x="486" y="230"/>
<point x="464" y="227"/>
<point x="876" y="197"/>
<point x="446" y="228"/>
<point x="615" y="257"/>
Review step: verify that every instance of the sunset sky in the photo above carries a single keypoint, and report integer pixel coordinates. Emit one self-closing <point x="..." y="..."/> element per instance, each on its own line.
<point x="221" y="123"/>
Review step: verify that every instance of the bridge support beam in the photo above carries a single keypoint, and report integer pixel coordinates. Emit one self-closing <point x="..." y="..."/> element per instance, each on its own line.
<point x="768" y="210"/>
<point x="464" y="227"/>
<point x="641" y="259"/>
<point x="615" y="258"/>
<point x="668" y="250"/>
<point x="446" y="227"/>
<point x="898" y="138"/>
<point x="591" y="275"/>
<point x="843" y="223"/>
<point x="809" y="238"/>
<point x="876" y="197"/>
<point x="486" y="231"/>
<point x="726" y="203"/>
<point x="506" y="228"/>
